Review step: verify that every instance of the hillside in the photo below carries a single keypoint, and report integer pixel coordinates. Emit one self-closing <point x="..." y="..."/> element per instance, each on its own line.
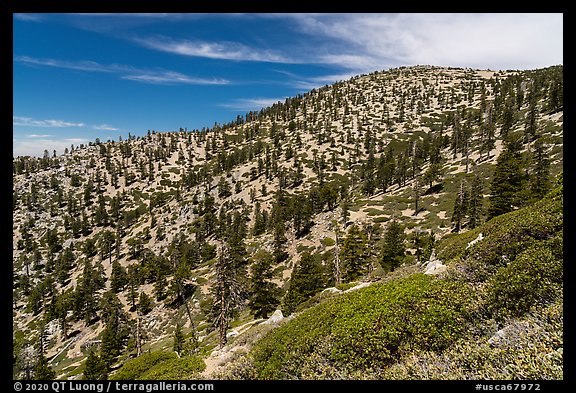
<point x="120" y="246"/>
<point x="496" y="312"/>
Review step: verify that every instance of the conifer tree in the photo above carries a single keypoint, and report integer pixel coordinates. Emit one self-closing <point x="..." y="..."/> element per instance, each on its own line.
<point x="432" y="174"/>
<point x="115" y="334"/>
<point x="353" y="254"/>
<point x="95" y="369"/>
<point x="279" y="244"/>
<point x="508" y="179"/>
<point x="540" y="182"/>
<point x="475" y="202"/>
<point x="394" y="248"/>
<point x="306" y="280"/>
<point x="118" y="277"/>
<point x="226" y="293"/>
<point x="264" y="294"/>
<point x="460" y="207"/>
<point x="417" y="192"/>
<point x="42" y="370"/>
<point x="178" y="345"/>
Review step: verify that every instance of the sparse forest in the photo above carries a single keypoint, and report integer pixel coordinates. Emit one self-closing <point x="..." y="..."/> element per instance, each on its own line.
<point x="200" y="253"/>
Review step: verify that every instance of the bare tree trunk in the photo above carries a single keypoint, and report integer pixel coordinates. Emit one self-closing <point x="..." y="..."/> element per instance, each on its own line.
<point x="138" y="338"/>
<point x="222" y="318"/>
<point x="337" y="272"/>
<point x="467" y="156"/>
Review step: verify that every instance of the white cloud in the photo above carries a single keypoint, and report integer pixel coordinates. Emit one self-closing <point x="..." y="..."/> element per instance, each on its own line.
<point x="28" y="17"/>
<point x="106" y="127"/>
<point x="212" y="50"/>
<point x="38" y="135"/>
<point x="125" y="71"/>
<point x="171" y="78"/>
<point x="29" y="122"/>
<point x="36" y="147"/>
<point x="370" y="42"/>
<point x="251" y="104"/>
<point x="89" y="66"/>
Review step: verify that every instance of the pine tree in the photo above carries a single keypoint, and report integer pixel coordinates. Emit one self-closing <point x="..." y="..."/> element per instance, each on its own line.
<point x="95" y="369"/>
<point x="475" y="202"/>
<point x="115" y="334"/>
<point x="43" y="371"/>
<point x="508" y="179"/>
<point x="460" y="207"/>
<point x="353" y="254"/>
<point x="118" y="277"/>
<point x="306" y="280"/>
<point x="488" y="132"/>
<point x="507" y="119"/>
<point x="540" y="182"/>
<point x="264" y="294"/>
<point x="145" y="304"/>
<point x="279" y="245"/>
<point x="177" y="286"/>
<point x="432" y="174"/>
<point x="394" y="248"/>
<point x="226" y="293"/>
<point x="179" y="340"/>
<point x="531" y="124"/>
<point x="417" y="192"/>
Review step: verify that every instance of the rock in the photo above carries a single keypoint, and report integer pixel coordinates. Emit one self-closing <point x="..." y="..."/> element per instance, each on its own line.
<point x="435" y="267"/>
<point x="52" y="327"/>
<point x="276" y="317"/>
<point x="499" y="338"/>
<point x="332" y="290"/>
<point x="359" y="286"/>
<point x="480" y="237"/>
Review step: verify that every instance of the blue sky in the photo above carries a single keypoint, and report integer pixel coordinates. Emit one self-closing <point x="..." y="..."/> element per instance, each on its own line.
<point x="78" y="77"/>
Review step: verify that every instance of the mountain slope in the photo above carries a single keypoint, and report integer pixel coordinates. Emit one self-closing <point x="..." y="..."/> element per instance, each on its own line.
<point x="496" y="313"/>
<point x="137" y="228"/>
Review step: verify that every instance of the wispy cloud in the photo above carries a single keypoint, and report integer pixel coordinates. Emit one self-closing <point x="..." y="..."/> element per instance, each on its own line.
<point x="36" y="146"/>
<point x="105" y="127"/>
<point x="312" y="82"/>
<point x="28" y="17"/>
<point x="213" y="50"/>
<point x="368" y="42"/>
<point x="29" y="122"/>
<point x="159" y="76"/>
<point x="172" y="78"/>
<point x="250" y="104"/>
<point x="38" y="135"/>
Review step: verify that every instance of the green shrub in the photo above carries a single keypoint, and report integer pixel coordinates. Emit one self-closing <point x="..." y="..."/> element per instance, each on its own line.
<point x="533" y="349"/>
<point x="183" y="368"/>
<point x="534" y="276"/>
<point x="368" y="328"/>
<point x="134" y="368"/>
<point x="327" y="242"/>
<point x="508" y="234"/>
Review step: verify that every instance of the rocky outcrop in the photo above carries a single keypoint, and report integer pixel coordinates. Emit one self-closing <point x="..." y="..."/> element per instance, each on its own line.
<point x="276" y="317"/>
<point x="478" y="238"/>
<point x="433" y="265"/>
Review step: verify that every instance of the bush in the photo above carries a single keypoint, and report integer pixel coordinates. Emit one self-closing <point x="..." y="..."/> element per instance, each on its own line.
<point x="534" y="276"/>
<point x="510" y="233"/>
<point x="183" y="368"/>
<point x="533" y="349"/>
<point x="368" y="328"/>
<point x="134" y="368"/>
